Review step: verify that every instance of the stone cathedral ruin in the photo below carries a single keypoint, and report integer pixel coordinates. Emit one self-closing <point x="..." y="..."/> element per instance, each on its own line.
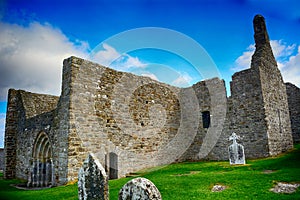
<point x="130" y="122"/>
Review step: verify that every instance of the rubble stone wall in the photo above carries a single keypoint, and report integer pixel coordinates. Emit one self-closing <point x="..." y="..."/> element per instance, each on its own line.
<point x="293" y="95"/>
<point x="28" y="115"/>
<point x="132" y="122"/>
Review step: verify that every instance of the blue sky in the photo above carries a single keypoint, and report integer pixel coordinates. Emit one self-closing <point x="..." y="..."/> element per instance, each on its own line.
<point x="36" y="35"/>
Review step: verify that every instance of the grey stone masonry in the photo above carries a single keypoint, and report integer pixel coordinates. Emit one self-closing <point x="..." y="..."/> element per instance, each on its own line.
<point x="139" y="189"/>
<point x="28" y="114"/>
<point x="132" y="122"/>
<point x="92" y="180"/>
<point x="1" y="158"/>
<point x="273" y="92"/>
<point x="293" y="94"/>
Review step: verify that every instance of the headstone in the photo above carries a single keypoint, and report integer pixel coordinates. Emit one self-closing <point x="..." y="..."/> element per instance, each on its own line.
<point x="92" y="180"/>
<point x="236" y="151"/>
<point x="139" y="189"/>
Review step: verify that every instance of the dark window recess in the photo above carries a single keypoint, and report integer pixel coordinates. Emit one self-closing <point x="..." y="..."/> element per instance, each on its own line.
<point x="206" y="119"/>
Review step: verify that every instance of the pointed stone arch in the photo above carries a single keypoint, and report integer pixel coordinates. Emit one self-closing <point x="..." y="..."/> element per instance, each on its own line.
<point x="41" y="164"/>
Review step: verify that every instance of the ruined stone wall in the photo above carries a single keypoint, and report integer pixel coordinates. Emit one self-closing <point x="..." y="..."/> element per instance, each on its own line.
<point x="131" y="122"/>
<point x="244" y="116"/>
<point x="276" y="109"/>
<point x="2" y="158"/>
<point x="38" y="110"/>
<point x="143" y="122"/>
<point x="28" y="115"/>
<point x="15" y="118"/>
<point x="204" y="101"/>
<point x="257" y="109"/>
<point x="248" y="114"/>
<point x="65" y="144"/>
<point x="293" y="95"/>
<point x="211" y="97"/>
<point x="273" y="92"/>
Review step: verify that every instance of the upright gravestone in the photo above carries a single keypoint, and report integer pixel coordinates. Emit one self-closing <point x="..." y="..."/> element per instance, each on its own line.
<point x="236" y="151"/>
<point x="92" y="180"/>
<point x="139" y="189"/>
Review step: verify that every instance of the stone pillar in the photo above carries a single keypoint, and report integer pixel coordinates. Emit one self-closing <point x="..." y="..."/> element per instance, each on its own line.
<point x="92" y="180"/>
<point x="34" y="173"/>
<point x="12" y="124"/>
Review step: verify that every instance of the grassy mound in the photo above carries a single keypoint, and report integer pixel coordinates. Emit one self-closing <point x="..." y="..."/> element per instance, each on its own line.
<point x="194" y="181"/>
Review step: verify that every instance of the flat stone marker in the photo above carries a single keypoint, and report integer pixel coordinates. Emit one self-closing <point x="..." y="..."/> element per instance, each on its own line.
<point x="139" y="189"/>
<point x="287" y="188"/>
<point x="236" y="151"/>
<point x="92" y="180"/>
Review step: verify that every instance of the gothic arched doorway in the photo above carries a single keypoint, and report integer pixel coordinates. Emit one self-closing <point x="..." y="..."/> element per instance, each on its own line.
<point x="41" y="174"/>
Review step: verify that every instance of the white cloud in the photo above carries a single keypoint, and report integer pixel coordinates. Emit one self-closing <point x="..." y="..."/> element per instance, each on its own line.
<point x="291" y="69"/>
<point x="281" y="50"/>
<point x="106" y="56"/>
<point x="31" y="57"/>
<point x="110" y="57"/>
<point x="243" y="62"/>
<point x="134" y="62"/>
<point x="288" y="60"/>
<point x="150" y="75"/>
<point x="182" y="80"/>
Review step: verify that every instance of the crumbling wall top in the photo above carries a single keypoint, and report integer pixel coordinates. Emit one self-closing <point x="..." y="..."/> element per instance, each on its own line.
<point x="260" y="31"/>
<point x="36" y="104"/>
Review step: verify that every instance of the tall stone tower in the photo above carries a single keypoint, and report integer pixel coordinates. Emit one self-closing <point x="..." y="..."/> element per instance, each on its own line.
<point x="273" y="91"/>
<point x="260" y="106"/>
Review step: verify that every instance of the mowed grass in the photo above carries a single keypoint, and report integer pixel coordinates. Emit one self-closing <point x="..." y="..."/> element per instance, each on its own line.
<point x="187" y="181"/>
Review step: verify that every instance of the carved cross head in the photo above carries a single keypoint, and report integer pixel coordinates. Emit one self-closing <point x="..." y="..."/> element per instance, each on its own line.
<point x="234" y="137"/>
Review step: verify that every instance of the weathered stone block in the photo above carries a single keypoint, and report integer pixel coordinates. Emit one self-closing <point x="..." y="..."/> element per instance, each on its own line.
<point x="92" y="180"/>
<point x="139" y="189"/>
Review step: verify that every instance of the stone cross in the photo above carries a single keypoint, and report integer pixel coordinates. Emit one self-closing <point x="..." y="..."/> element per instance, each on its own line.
<point x="139" y="189"/>
<point x="236" y="151"/>
<point x="92" y="180"/>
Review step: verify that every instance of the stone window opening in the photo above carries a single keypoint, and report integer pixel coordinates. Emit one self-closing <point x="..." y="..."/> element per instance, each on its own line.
<point x="41" y="172"/>
<point x="206" y="119"/>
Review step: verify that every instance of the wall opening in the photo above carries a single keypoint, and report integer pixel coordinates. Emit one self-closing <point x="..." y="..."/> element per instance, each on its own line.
<point x="41" y="173"/>
<point x="206" y="119"/>
<point x="113" y="165"/>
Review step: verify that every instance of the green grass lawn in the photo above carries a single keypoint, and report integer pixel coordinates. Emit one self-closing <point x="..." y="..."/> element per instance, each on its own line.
<point x="187" y="181"/>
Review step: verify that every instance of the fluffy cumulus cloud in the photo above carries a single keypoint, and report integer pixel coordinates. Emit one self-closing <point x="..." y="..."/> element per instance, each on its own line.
<point x="31" y="57"/>
<point x="287" y="56"/>
<point x="291" y="69"/>
<point x="183" y="80"/>
<point x="109" y="56"/>
<point x="150" y="75"/>
<point x="243" y="62"/>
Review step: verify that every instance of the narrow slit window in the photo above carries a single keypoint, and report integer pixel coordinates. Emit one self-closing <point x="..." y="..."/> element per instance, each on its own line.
<point x="206" y="119"/>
